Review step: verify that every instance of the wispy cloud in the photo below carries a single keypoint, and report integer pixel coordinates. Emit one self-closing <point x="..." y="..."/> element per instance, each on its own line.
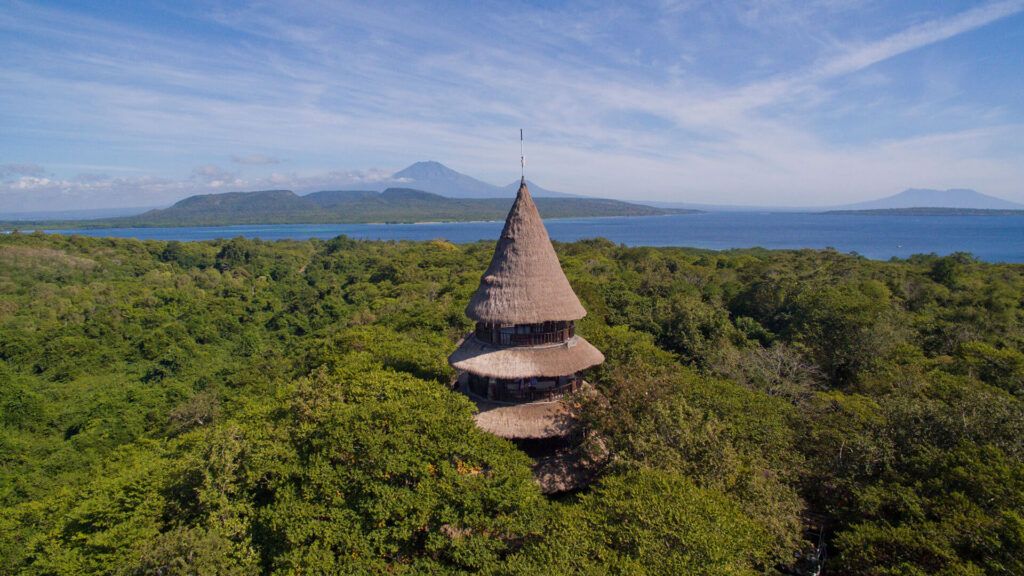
<point x="38" y="191"/>
<point x="918" y="36"/>
<point x="786" y="102"/>
<point x="11" y="170"/>
<point x="255" y="160"/>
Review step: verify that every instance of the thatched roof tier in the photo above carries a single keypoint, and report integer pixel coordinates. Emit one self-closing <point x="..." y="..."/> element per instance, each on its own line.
<point x="512" y="362"/>
<point x="531" y="420"/>
<point x="525" y="283"/>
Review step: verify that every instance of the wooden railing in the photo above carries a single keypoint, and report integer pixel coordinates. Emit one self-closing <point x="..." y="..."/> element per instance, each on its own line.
<point x="522" y="391"/>
<point x="526" y="334"/>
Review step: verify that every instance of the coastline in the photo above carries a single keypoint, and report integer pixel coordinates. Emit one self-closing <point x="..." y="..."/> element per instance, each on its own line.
<point x="997" y="238"/>
<point x="29" y="226"/>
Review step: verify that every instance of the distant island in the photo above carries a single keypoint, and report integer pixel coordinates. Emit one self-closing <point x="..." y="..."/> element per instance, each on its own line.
<point x="927" y="211"/>
<point x="432" y="192"/>
<point x="924" y="198"/>
<point x="393" y="205"/>
<point x="926" y="202"/>
<point x="960" y="201"/>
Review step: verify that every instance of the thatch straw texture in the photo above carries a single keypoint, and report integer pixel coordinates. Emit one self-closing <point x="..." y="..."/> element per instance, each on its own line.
<point x="532" y="420"/>
<point x="525" y="283"/>
<point x="513" y="362"/>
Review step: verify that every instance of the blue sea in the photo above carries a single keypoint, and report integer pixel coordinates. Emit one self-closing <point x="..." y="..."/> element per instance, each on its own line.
<point x="990" y="238"/>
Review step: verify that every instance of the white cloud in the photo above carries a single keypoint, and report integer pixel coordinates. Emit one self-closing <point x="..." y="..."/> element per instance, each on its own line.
<point x="859" y="57"/>
<point x="40" y="193"/>
<point x="215" y="177"/>
<point x="350" y="86"/>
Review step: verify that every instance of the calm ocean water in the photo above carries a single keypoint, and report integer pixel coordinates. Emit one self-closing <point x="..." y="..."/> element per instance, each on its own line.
<point x="991" y="238"/>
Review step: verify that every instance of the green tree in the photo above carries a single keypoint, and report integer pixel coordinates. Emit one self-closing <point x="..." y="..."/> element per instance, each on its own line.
<point x="647" y="522"/>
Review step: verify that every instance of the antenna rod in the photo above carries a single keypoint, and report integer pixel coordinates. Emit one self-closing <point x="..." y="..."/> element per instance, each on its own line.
<point x="522" y="158"/>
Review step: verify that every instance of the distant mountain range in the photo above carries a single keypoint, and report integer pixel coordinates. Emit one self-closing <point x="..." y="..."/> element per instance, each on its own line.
<point x="929" y="212"/>
<point x="396" y="205"/>
<point x="380" y="201"/>
<point x="913" y="198"/>
<point x="435" y="177"/>
<point x="427" y="176"/>
<point x="926" y="198"/>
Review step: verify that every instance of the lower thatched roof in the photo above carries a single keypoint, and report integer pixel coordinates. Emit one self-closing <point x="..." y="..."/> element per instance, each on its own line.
<point x="533" y="420"/>
<point x="528" y="420"/>
<point x="512" y="362"/>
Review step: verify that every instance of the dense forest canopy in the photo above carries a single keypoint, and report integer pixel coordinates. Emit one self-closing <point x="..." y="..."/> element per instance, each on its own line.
<point x="239" y="406"/>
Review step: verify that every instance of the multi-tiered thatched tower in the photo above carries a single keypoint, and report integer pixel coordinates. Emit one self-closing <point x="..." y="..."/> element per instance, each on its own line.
<point x="524" y="355"/>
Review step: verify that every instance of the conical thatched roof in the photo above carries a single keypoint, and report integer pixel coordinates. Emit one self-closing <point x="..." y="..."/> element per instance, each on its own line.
<point x="524" y="283"/>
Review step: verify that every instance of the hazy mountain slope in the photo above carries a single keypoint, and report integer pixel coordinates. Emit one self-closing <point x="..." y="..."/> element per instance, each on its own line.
<point x="440" y="179"/>
<point x="930" y="212"/>
<point x="437" y="178"/>
<point x="237" y="207"/>
<point x="332" y="198"/>
<point x="536" y="191"/>
<point x="391" y="205"/>
<point x="926" y="198"/>
<point x="258" y="200"/>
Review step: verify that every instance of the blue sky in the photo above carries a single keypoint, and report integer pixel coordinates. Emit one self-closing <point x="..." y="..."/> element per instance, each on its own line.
<point x="772" y="102"/>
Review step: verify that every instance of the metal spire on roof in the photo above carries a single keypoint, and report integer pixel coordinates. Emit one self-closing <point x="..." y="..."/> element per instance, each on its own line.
<point x="522" y="157"/>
